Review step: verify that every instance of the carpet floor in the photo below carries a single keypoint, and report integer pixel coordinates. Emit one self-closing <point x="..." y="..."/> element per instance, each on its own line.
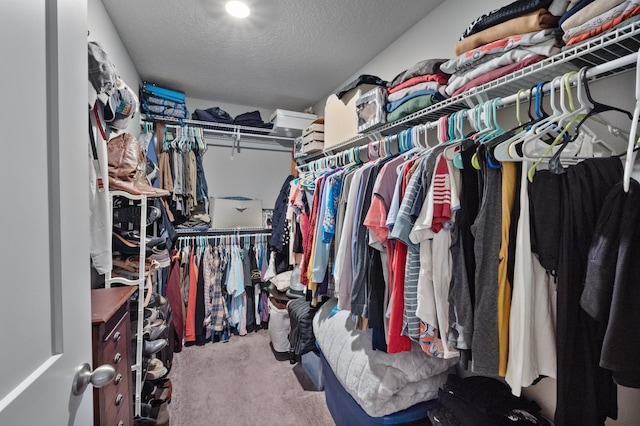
<point x="241" y="383"/>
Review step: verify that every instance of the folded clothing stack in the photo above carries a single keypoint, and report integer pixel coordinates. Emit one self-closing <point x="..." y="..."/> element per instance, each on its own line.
<point x="218" y="115"/>
<point x="504" y="41"/>
<point x="588" y="18"/>
<point x="416" y="88"/>
<point x="158" y="102"/>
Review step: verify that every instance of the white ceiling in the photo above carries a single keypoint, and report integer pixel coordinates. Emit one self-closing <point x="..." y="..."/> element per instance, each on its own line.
<point x="288" y="54"/>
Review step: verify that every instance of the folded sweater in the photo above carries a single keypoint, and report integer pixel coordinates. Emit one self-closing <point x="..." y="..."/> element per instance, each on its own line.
<point x="535" y="21"/>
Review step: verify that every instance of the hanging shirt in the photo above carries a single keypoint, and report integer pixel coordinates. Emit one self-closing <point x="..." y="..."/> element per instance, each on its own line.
<point x="486" y="229"/>
<point x="432" y="230"/>
<point x="532" y="350"/>
<point x="216" y="308"/>
<point x="397" y="342"/>
<point x="343" y="271"/>
<point x="325" y="228"/>
<point x="361" y="289"/>
<point x="381" y="203"/>
<point x="401" y="231"/>
<point x="190" y="328"/>
<point x="509" y="182"/>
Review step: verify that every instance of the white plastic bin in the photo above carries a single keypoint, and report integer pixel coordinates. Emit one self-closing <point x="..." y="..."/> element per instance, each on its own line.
<point x="279" y="327"/>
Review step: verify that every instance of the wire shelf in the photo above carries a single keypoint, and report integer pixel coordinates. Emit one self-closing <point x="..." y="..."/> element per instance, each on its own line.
<point x="185" y="232"/>
<point x="614" y="44"/>
<point x="227" y="132"/>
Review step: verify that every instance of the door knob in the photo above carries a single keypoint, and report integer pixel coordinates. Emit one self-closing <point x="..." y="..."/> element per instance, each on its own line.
<point x="99" y="377"/>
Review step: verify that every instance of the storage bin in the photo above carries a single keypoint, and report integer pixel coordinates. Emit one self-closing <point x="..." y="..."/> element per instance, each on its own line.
<point x="341" y="119"/>
<point x="290" y="123"/>
<point x="312" y="366"/>
<point x="279" y="326"/>
<point x="297" y="147"/>
<point x="235" y="213"/>
<point x="347" y="412"/>
<point x="370" y="109"/>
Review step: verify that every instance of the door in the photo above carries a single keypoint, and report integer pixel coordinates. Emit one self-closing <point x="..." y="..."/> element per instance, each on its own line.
<point x="45" y="319"/>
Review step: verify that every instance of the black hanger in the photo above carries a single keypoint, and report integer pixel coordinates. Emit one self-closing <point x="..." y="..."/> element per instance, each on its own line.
<point x="555" y="166"/>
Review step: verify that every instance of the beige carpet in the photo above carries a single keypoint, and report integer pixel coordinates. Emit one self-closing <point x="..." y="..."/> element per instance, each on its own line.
<point x="240" y="383"/>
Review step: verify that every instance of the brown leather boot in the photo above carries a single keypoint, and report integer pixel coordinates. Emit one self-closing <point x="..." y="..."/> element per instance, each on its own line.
<point x="124" y="154"/>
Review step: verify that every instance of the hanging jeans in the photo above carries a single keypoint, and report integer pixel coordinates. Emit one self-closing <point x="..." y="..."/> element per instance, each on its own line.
<point x="202" y="191"/>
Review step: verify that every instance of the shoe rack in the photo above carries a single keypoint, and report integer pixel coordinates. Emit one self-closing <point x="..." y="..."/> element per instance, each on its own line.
<point x="139" y="282"/>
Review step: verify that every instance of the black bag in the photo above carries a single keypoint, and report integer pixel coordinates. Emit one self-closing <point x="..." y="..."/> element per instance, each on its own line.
<point x="301" y="336"/>
<point x="484" y="401"/>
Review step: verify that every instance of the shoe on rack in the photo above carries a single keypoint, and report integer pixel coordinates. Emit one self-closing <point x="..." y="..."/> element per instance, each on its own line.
<point x="154" y="333"/>
<point x="150" y="331"/>
<point x="144" y="421"/>
<point x="150" y="347"/>
<point x="156" y="370"/>
<point x="133" y="236"/>
<point x="163" y="389"/>
<point x="148" y="391"/>
<point x="160" y="411"/>
<point x="153" y="314"/>
<point x="124" y="155"/>
<point x="131" y="214"/>
<point x="156" y="300"/>
<point x="161" y="256"/>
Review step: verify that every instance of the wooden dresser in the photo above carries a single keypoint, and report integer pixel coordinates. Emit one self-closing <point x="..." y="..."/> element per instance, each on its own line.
<point x="113" y="404"/>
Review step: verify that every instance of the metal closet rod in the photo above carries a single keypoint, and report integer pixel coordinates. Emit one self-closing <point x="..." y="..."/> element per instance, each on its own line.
<point x="512" y="99"/>
<point x="231" y="130"/>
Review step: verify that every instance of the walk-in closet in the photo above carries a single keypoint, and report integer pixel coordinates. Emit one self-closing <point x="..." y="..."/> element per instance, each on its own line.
<point x="285" y="212"/>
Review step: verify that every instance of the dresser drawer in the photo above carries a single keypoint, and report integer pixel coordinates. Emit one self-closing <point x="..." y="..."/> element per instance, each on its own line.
<point x="113" y="404"/>
<point x="114" y="340"/>
<point x="118" y="412"/>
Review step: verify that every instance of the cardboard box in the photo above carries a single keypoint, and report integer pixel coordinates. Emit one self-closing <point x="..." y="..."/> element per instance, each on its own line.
<point x="313" y="137"/>
<point x="290" y="123"/>
<point x="235" y="213"/>
<point x="341" y="119"/>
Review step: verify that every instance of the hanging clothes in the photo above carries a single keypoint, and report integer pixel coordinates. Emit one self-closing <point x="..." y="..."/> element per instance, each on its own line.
<point x="190" y="327"/>
<point x="217" y="318"/>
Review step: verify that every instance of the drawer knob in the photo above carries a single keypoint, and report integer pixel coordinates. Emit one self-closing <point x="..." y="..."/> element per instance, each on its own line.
<point x="119" y="399"/>
<point x="118" y="379"/>
<point x="117" y="358"/>
<point x="116" y="336"/>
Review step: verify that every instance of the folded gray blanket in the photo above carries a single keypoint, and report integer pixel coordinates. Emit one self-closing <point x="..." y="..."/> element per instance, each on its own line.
<point x="381" y="383"/>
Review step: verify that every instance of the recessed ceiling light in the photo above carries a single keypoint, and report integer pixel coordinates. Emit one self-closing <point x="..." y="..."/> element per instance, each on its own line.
<point x="237" y="9"/>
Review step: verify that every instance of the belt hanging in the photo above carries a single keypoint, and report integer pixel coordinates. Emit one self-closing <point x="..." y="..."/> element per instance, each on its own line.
<point x="94" y="151"/>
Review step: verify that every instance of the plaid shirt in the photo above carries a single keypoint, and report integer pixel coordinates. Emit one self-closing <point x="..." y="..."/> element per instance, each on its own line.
<point x="216" y="313"/>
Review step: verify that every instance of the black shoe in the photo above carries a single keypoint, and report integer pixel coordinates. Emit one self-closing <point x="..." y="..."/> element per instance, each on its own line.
<point x="150" y="347"/>
<point x="124" y="213"/>
<point x="134" y="237"/>
<point x="144" y="421"/>
<point x="156" y="300"/>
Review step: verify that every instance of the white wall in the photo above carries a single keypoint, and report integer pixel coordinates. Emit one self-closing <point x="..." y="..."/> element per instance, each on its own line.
<point x="433" y="37"/>
<point x="253" y="173"/>
<point x="103" y="32"/>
